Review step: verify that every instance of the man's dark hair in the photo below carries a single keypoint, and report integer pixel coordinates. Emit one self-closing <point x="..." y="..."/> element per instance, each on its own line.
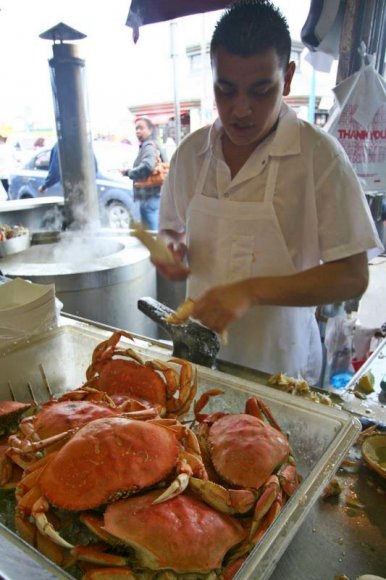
<point x="250" y="27"/>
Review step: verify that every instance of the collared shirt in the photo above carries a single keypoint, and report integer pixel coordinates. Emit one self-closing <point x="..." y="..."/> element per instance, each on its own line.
<point x="319" y="203"/>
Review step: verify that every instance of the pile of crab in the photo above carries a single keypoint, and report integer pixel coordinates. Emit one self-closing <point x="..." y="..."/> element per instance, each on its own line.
<point x="112" y="480"/>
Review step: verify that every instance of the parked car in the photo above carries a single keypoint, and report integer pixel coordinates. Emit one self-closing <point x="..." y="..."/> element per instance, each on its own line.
<point x="115" y="192"/>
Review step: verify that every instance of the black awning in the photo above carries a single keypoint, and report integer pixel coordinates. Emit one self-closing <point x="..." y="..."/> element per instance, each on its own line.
<point x="144" y="12"/>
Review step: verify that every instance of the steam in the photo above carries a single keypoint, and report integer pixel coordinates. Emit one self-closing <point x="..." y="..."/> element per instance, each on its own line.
<point x="81" y="249"/>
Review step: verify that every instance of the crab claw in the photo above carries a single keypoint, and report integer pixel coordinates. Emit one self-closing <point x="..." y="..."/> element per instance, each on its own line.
<point x="227" y="501"/>
<point x="175" y="488"/>
<point x="38" y="512"/>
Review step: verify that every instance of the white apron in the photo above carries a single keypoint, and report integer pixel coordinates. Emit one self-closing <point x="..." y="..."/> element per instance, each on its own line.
<point x="230" y="241"/>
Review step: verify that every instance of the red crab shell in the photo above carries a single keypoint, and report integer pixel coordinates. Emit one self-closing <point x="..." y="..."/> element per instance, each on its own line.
<point x="54" y="418"/>
<point x="183" y="534"/>
<point x="10" y="412"/>
<point x="122" y="379"/>
<point x="59" y="416"/>
<point x="245" y="450"/>
<point x="106" y="460"/>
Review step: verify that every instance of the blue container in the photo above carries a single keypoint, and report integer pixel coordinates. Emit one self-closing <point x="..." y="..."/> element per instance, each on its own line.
<point x="340" y="379"/>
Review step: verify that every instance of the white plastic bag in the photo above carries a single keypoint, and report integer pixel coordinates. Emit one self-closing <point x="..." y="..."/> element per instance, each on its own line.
<point x="358" y="121"/>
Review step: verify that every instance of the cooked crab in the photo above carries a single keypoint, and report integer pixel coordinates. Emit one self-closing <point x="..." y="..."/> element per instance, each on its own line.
<point x="183" y="535"/>
<point x="249" y="464"/>
<point x="136" y="454"/>
<point x="171" y="387"/>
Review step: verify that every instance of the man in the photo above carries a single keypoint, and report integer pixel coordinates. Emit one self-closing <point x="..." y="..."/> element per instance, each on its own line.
<point x="144" y="165"/>
<point x="265" y="207"/>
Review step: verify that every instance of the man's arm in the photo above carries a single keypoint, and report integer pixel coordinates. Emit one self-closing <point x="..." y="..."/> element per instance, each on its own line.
<point x="53" y="175"/>
<point x="325" y="284"/>
<point x="147" y="164"/>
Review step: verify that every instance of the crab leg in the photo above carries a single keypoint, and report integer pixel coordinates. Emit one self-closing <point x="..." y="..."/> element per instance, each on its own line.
<point x="270" y="492"/>
<point x="96" y="555"/>
<point x="24" y="446"/>
<point x="203" y="401"/>
<point x="109" y="573"/>
<point x="257" y="408"/>
<point x="258" y="529"/>
<point x="289" y="478"/>
<point x="6" y="468"/>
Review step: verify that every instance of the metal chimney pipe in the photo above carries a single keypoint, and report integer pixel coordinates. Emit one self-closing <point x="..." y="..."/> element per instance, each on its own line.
<point x="76" y="158"/>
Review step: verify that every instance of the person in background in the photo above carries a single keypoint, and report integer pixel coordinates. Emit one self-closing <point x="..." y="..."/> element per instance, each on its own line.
<point x="39" y="143"/>
<point x="6" y="162"/>
<point x="53" y="175"/>
<point x="143" y="167"/>
<point x="264" y="207"/>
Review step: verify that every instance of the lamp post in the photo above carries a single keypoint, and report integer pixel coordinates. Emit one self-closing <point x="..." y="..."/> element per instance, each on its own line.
<point x="174" y="57"/>
<point x="77" y="166"/>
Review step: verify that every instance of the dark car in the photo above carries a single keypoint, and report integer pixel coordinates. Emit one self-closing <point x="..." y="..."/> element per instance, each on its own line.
<point x="115" y="192"/>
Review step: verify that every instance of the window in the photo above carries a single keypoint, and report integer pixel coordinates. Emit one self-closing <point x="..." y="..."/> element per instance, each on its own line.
<point x="296" y="51"/>
<point x="194" y="55"/>
<point x="42" y="160"/>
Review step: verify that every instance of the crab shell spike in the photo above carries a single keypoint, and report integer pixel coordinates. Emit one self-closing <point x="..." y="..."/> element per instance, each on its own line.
<point x="175" y="488"/>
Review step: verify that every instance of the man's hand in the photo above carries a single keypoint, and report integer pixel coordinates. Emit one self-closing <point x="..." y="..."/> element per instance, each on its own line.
<point x="41" y="189"/>
<point x="174" y="272"/>
<point x="221" y="305"/>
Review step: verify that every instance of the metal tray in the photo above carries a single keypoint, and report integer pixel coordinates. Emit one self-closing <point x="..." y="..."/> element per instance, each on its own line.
<point x="320" y="436"/>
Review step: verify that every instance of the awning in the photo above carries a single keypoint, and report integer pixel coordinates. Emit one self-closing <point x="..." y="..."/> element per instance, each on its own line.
<point x="144" y="12"/>
<point x="161" y="113"/>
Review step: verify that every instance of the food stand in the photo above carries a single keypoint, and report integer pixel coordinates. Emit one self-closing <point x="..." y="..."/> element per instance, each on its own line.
<point x="315" y="537"/>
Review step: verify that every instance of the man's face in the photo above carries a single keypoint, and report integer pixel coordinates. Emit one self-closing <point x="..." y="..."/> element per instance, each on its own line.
<point x="142" y="131"/>
<point x="248" y="93"/>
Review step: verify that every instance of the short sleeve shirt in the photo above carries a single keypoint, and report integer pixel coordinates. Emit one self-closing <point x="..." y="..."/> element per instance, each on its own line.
<point x="321" y="208"/>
